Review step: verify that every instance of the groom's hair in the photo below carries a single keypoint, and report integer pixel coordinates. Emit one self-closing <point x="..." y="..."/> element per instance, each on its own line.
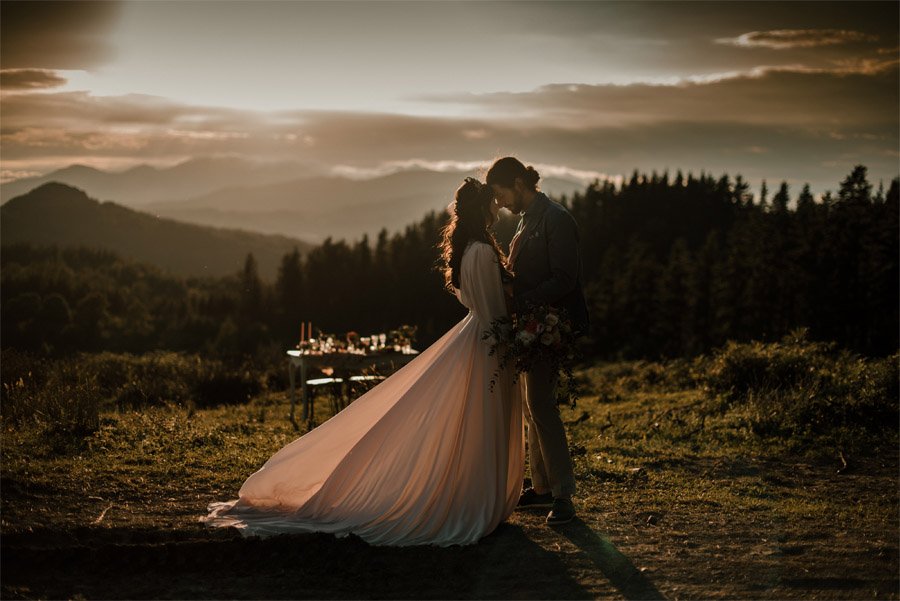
<point x="505" y="171"/>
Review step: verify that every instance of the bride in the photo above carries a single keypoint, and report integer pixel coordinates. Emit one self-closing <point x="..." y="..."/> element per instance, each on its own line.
<point x="432" y="455"/>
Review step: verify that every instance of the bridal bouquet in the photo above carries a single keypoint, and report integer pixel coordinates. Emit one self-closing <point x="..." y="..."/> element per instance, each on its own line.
<point x="542" y="334"/>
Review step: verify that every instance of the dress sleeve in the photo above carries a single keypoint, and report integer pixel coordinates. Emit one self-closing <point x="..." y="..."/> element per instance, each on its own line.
<point x="481" y="280"/>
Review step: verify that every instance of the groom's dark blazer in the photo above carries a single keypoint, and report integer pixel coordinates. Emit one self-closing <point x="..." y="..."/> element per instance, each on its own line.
<point x="547" y="264"/>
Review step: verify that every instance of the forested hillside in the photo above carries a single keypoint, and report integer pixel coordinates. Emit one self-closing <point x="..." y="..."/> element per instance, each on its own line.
<point x="673" y="266"/>
<point x="57" y="214"/>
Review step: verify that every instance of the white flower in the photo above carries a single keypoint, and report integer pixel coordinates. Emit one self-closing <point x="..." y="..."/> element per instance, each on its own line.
<point x="547" y="338"/>
<point x="551" y="319"/>
<point x="525" y="337"/>
<point x="540" y="328"/>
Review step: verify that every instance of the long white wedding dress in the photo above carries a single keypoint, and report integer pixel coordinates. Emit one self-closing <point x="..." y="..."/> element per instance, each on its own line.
<point x="429" y="456"/>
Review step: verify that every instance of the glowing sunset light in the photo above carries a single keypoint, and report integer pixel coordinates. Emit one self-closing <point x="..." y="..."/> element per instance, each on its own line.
<point x="775" y="91"/>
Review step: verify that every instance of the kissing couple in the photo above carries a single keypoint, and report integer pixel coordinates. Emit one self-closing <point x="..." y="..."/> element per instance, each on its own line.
<point x="435" y="454"/>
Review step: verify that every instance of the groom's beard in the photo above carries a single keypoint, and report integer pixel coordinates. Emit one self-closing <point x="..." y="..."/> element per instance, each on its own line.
<point x="518" y="203"/>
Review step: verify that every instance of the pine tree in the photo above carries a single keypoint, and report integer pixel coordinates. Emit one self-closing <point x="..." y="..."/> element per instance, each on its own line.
<point x="701" y="288"/>
<point x="764" y="196"/>
<point x="673" y="317"/>
<point x="251" y="294"/>
<point x="805" y="201"/>
<point x="290" y="295"/>
<point x="856" y="188"/>
<point x="781" y="199"/>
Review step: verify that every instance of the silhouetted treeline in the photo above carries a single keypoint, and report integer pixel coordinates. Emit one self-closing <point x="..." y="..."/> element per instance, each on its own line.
<point x="673" y="266"/>
<point x="60" y="300"/>
<point x="678" y="266"/>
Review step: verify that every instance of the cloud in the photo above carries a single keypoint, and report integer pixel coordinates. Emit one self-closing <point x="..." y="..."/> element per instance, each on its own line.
<point x="388" y="167"/>
<point x="546" y="170"/>
<point x="7" y="175"/>
<point x="855" y="93"/>
<point x="37" y="141"/>
<point x="475" y="134"/>
<point x="29" y="79"/>
<point x="756" y="150"/>
<point x="77" y="110"/>
<point x="56" y="34"/>
<point x="796" y="123"/>
<point x="781" y="39"/>
<point x="207" y="135"/>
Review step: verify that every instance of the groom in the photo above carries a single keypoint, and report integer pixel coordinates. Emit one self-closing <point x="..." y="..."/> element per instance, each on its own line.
<point x="544" y="257"/>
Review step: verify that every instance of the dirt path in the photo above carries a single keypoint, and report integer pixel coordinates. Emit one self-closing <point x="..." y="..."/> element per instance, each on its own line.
<point x="676" y="552"/>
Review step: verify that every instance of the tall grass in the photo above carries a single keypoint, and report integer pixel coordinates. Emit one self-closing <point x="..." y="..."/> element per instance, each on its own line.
<point x="800" y="391"/>
<point x="68" y="395"/>
<point x="806" y="391"/>
<point x="63" y="400"/>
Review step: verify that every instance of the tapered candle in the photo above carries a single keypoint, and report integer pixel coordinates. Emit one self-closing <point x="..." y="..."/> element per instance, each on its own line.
<point x="309" y="330"/>
<point x="302" y="331"/>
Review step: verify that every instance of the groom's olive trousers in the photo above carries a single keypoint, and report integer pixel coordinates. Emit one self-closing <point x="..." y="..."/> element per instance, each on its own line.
<point x="548" y="449"/>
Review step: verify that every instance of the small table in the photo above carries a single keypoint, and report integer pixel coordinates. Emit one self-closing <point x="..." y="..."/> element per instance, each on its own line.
<point x="385" y="362"/>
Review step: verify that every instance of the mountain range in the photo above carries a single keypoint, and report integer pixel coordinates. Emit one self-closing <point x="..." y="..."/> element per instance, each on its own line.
<point x="290" y="199"/>
<point x="58" y="214"/>
<point x="144" y="183"/>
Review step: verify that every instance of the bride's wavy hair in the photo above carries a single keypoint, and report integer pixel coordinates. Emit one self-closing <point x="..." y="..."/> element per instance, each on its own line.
<point x="469" y="215"/>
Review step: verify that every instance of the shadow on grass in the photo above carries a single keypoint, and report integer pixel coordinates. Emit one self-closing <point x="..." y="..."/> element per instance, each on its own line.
<point x="622" y="574"/>
<point x="116" y="563"/>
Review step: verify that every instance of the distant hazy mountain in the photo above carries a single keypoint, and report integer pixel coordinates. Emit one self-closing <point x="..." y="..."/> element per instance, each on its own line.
<point x="313" y="208"/>
<point x="287" y="198"/>
<point x="59" y="214"/>
<point x="143" y="184"/>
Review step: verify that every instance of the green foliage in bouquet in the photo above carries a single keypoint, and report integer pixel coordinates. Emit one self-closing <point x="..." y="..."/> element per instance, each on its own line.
<point x="539" y="335"/>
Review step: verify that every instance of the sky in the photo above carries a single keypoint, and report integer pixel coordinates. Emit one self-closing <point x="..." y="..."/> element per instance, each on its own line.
<point x="793" y="91"/>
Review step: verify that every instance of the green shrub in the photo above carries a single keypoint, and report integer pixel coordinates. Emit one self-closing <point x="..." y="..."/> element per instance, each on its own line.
<point x="216" y="384"/>
<point x="741" y="368"/>
<point x="134" y="381"/>
<point x="164" y="377"/>
<point x="797" y="388"/>
<point x="69" y="393"/>
<point x="613" y="379"/>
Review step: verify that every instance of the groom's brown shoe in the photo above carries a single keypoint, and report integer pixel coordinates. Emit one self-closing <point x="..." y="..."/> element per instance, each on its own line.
<point x="562" y="513"/>
<point x="530" y="498"/>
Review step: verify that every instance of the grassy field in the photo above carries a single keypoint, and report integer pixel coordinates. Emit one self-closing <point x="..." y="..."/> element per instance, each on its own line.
<point x="685" y="492"/>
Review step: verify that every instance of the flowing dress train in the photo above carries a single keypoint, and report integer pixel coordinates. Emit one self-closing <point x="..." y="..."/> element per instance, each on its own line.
<point x="429" y="456"/>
